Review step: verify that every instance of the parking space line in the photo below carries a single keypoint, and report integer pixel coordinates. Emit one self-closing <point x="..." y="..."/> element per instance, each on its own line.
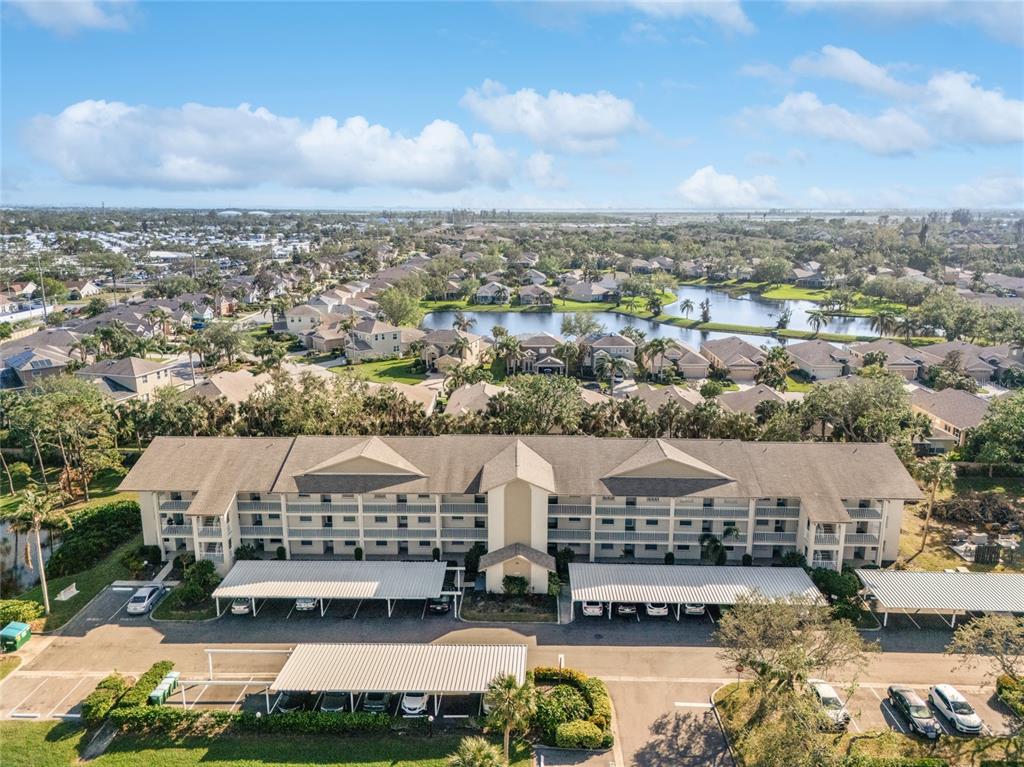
<point x="853" y="721"/>
<point x="875" y="693"/>
<point x="893" y="716"/>
<point x="357" y="609"/>
<point x="119" y="609"/>
<point x="77" y="684"/>
<point x="20" y="702"/>
<point x="289" y="615"/>
<point x="198" y="696"/>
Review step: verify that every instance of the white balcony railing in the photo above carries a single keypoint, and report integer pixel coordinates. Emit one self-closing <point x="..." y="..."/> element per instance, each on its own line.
<point x="258" y="506"/>
<point x="859" y="513"/>
<point x="463" y="533"/>
<point x="211" y="531"/>
<point x="174" y="505"/>
<point x="568" y="535"/>
<point x="777" y="512"/>
<point x="321" y="533"/>
<point x="261" y="531"/>
<point x="826" y="539"/>
<point x="177" y="530"/>
<point x="631" y="536"/>
<point x="774" y="537"/>
<point x="861" y="539"/>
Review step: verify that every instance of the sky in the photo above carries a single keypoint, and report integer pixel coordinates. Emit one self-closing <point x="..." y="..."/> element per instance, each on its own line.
<point x="632" y="104"/>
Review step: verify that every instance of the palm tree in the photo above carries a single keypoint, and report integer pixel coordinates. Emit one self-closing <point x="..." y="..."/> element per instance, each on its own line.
<point x="460" y="346"/>
<point x="655" y="348"/>
<point x="569" y="353"/>
<point x="195" y="344"/>
<point x="38" y="509"/>
<point x="158" y="317"/>
<point x="476" y="752"/>
<point x="612" y="366"/>
<point x="499" y="332"/>
<point x="510" y="350"/>
<point x="884" y="323"/>
<point x="686" y="307"/>
<point x="462" y="322"/>
<point x="817" y="319"/>
<point x="512" y="706"/>
<point x="712" y="547"/>
<point x="907" y="326"/>
<point x="935" y="474"/>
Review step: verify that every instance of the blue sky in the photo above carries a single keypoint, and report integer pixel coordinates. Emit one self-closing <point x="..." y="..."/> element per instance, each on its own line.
<point x="634" y="104"/>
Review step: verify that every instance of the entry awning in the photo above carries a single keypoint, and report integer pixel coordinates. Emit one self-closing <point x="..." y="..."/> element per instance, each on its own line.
<point x="899" y="590"/>
<point x="442" y="669"/>
<point x="682" y="584"/>
<point x="332" y="579"/>
<point x="505" y="553"/>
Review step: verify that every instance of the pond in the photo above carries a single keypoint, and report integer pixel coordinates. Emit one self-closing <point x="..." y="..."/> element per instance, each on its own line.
<point x="518" y="323"/>
<point x="751" y="309"/>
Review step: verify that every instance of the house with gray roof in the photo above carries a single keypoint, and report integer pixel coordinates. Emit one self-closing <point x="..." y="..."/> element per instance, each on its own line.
<point x="952" y="412"/>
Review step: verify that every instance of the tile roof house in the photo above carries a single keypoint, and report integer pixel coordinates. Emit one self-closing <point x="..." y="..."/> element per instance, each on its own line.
<point x="130" y="378"/>
<point x="747" y="400"/>
<point x="952" y="412"/>
<point x="819" y="360"/>
<point x="740" y="358"/>
<point x="656" y="396"/>
<point x="909" y="362"/>
<point x="680" y="358"/>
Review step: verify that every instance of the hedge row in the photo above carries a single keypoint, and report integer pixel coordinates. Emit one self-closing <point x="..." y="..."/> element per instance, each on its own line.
<point x="1011" y="692"/>
<point x="99" y="703"/>
<point x="596" y="694"/>
<point x="96" y="532"/>
<point x="138" y="695"/>
<point x="579" y="734"/>
<point x="150" y="719"/>
<point x="20" y="610"/>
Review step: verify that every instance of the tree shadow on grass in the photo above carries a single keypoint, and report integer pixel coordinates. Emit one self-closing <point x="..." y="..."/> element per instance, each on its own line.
<point x="679" y="739"/>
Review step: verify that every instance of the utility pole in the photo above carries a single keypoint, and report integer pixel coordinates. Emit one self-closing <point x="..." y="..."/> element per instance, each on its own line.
<point x="42" y="285"/>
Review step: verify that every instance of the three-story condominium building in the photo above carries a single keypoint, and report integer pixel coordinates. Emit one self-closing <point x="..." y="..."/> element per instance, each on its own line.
<point x="522" y="497"/>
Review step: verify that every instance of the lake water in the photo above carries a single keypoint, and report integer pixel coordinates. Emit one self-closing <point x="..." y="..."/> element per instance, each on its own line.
<point x="754" y="310"/>
<point x="724" y="308"/>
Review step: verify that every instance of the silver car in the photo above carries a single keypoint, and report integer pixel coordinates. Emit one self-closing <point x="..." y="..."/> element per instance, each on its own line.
<point x="142" y="601"/>
<point x="948" y="701"/>
<point x="831" y="704"/>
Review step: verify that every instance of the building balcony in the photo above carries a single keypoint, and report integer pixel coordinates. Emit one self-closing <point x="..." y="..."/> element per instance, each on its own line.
<point x="175" y="505"/>
<point x="828" y="564"/>
<point x="698" y="512"/>
<point x="777" y="512"/>
<point x="568" y="510"/>
<point x="177" y="530"/>
<point x="401" y="509"/>
<point x="307" y="533"/>
<point x="826" y="539"/>
<point x="319" y="508"/>
<point x="568" y="535"/>
<point x="630" y="536"/>
<point x="859" y="513"/>
<point x="260" y="531"/>
<point x="405" y="533"/>
<point x="213" y="556"/>
<point x="258" y="505"/>
<point x="771" y="538"/>
<point x="464" y="509"/>
<point x="861" y="539"/>
<point x="211" y="531"/>
<point x="463" y="534"/>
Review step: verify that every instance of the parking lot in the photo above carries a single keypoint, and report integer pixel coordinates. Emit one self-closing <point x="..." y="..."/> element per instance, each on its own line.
<point x="869" y="710"/>
<point x="45" y="695"/>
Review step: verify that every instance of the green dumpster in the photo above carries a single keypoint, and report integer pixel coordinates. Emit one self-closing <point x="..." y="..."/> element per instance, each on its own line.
<point x="14" y="636"/>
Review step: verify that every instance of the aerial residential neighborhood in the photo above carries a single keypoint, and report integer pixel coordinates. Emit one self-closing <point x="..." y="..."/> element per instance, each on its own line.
<point x="481" y="384"/>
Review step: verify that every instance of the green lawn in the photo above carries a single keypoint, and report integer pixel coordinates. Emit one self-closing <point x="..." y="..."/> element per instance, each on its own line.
<point x="46" y="744"/>
<point x="796" y="384"/>
<point x="89" y="583"/>
<point x="385" y="371"/>
<point x="8" y="664"/>
<point x="102" y="490"/>
<point x="560" y="305"/>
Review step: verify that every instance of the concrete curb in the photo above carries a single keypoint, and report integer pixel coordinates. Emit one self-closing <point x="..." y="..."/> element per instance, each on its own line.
<point x="721" y="726"/>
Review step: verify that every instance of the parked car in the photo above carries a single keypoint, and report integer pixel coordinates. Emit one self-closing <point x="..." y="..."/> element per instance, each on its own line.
<point x="377" y="702"/>
<point x="656" y="609"/>
<point x="831" y="704"/>
<point x="241" y="606"/>
<point x="305" y="604"/>
<point x="441" y="604"/>
<point x="625" y="608"/>
<point x="593" y="609"/>
<point x="913" y="709"/>
<point x="414" y="703"/>
<point x="335" y="702"/>
<point x="694" y="609"/>
<point x="954" y="707"/>
<point x="142" y="600"/>
<point x="294" y="701"/>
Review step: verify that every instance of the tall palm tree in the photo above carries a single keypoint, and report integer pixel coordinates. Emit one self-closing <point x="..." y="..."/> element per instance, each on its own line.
<point x="884" y="323"/>
<point x="612" y="366"/>
<point x="655" y="348"/>
<point x="569" y="353"/>
<point x="476" y="752"/>
<point x="686" y="307"/>
<point x="499" y="332"/>
<point x="512" y="706"/>
<point x="510" y="350"/>
<point x="462" y="322"/>
<point x="935" y="474"/>
<point x="195" y="344"/>
<point x="460" y="346"/>
<point x="908" y="325"/>
<point x="38" y="509"/>
<point x="817" y="319"/>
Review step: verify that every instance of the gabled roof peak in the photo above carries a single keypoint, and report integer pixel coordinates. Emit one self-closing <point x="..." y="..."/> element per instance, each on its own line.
<point x="657" y="458"/>
<point x="369" y="454"/>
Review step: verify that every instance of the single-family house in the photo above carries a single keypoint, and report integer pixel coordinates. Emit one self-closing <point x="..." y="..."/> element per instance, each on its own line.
<point x="680" y="358"/>
<point x="952" y="412"/>
<point x="79" y="289"/>
<point x="747" y="400"/>
<point x="740" y="358"/>
<point x="656" y="396"/>
<point x="908" y="362"/>
<point x="536" y="295"/>
<point x="819" y="360"/>
<point x="443" y="349"/>
<point x="130" y="378"/>
<point x="373" y="339"/>
<point x="492" y="293"/>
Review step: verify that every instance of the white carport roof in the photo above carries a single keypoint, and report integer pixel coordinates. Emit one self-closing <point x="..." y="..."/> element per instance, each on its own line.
<point x="442" y="669"/>
<point x="332" y="579"/>
<point x="680" y="584"/>
<point x="945" y="592"/>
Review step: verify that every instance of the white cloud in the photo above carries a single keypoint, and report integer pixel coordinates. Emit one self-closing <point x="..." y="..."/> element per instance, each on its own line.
<point x="203" y="147"/>
<point x="728" y="14"/>
<point x="999" y="190"/>
<point x="891" y="132"/>
<point x="708" y="189"/>
<point x="1001" y="19"/>
<point x="65" y="17"/>
<point x="967" y="112"/>
<point x="799" y="156"/>
<point x="849" y="66"/>
<point x="770" y="72"/>
<point x="829" y="198"/>
<point x="643" y="32"/>
<point x="585" y="122"/>
<point x="540" y="169"/>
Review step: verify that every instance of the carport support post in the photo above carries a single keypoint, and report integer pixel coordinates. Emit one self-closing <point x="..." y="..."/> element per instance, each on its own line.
<point x="321" y="607"/>
<point x="390" y="607"/>
<point x="609" y="611"/>
<point x="266" y="693"/>
<point x="217" y="600"/>
<point x="885" y="619"/>
<point x="678" y="607"/>
<point x="437" y="704"/>
<point x="952" y="625"/>
<point x="252" y="602"/>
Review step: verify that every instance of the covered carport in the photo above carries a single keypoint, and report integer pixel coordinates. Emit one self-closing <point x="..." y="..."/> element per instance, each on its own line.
<point x="327" y="580"/>
<point x="948" y="593"/>
<point x="681" y="584"/>
<point x="435" y="669"/>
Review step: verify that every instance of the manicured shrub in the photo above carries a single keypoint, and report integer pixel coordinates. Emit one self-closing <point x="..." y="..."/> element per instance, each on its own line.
<point x="747" y="560"/>
<point x="20" y="610"/>
<point x="138" y="695"/>
<point x="132" y="562"/>
<point x="357" y="554"/>
<point x="578" y="734"/>
<point x="559" y="705"/>
<point x="152" y="719"/>
<point x="435" y="554"/>
<point x="1011" y="692"/>
<point x="554" y="585"/>
<point x="246" y="551"/>
<point x="670" y="558"/>
<point x="280" y="553"/>
<point x="151" y="554"/>
<point x="596" y="693"/>
<point x="471" y="559"/>
<point x="100" y="701"/>
<point x="515" y="585"/>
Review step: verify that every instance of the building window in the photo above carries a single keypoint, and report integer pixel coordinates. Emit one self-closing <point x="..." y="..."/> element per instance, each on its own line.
<point x="348" y="519"/>
<point x="325" y="498"/>
<point x="575" y="519"/>
<point x="458" y="517"/>
<point x="651" y="522"/>
<point x="705" y="526"/>
<point x="682" y="547"/>
<point x="350" y="543"/>
<point x="380" y="519"/>
<point x="380" y="543"/>
<point x="423" y="520"/>
<point x="479" y="499"/>
<point x="730" y="523"/>
<point x="709" y="503"/>
<point x="275" y="540"/>
<point x="650" y="547"/>
<point x="686" y="523"/>
<point x="305" y="543"/>
<point x="480" y="523"/>
<point x="607" y="546"/>
<point x="552" y="500"/>
<point x="606" y="521"/>
<point x="305" y="519"/>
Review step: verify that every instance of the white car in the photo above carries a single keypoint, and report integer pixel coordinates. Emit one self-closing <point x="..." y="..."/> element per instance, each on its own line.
<point x="693" y="609"/>
<point x="414" y="702"/>
<point x="831" y="704"/>
<point x="656" y="609"/>
<point x="955" y="708"/>
<point x="305" y="604"/>
<point x="142" y="601"/>
<point x="593" y="609"/>
<point x="241" y="606"/>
